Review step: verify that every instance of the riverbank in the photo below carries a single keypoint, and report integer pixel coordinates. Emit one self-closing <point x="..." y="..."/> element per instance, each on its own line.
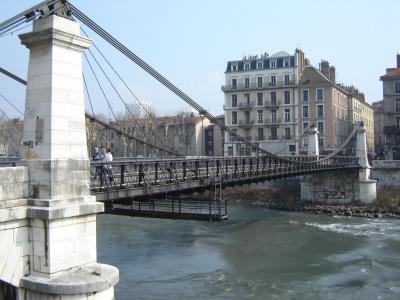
<point x="283" y="196"/>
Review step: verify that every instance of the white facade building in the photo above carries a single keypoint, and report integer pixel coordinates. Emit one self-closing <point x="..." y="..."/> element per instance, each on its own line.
<point x="261" y="102"/>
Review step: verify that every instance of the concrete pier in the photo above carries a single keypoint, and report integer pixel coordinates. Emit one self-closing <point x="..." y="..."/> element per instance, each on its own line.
<point x="346" y="186"/>
<point x="47" y="215"/>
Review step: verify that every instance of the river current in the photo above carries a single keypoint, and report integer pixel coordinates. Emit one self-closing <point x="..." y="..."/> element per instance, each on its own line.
<point x="257" y="254"/>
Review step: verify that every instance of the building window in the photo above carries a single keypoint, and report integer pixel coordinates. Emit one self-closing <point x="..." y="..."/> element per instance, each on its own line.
<point x="305" y="142"/>
<point x="272" y="64"/>
<point x="234" y="100"/>
<point x="320" y="126"/>
<point x="260" y="65"/>
<point x="247" y="116"/>
<point x="234" y="83"/>
<point x="320" y="94"/>
<point x="397" y="87"/>
<point x="247" y="134"/>
<point x="273" y="116"/>
<point x="287" y="79"/>
<point x="259" y="82"/>
<point x="320" y="111"/>
<point x="234" y="117"/>
<point x="260" y="99"/>
<point x="274" y="133"/>
<point x="230" y="151"/>
<point x="397" y="105"/>
<point x="305" y="111"/>
<point x="247" y="67"/>
<point x="286" y="97"/>
<point x="287" y="114"/>
<point x="247" y="82"/>
<point x="305" y="126"/>
<point x="234" y="67"/>
<point x="272" y="80"/>
<point x="321" y="142"/>
<point x="305" y="95"/>
<point x="273" y="98"/>
<point x="260" y="116"/>
<point x="287" y="133"/>
<point x="260" y="134"/>
<point x="286" y="62"/>
<point x="247" y="99"/>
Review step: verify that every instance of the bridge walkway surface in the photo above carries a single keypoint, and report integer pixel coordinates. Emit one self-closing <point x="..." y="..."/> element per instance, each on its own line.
<point x="154" y="187"/>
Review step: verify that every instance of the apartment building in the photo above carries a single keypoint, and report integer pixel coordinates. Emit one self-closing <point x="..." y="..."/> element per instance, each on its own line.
<point x="334" y="108"/>
<point x="214" y="138"/>
<point x="391" y="110"/>
<point x="378" y="128"/>
<point x="361" y="111"/>
<point x="324" y="104"/>
<point x="261" y="102"/>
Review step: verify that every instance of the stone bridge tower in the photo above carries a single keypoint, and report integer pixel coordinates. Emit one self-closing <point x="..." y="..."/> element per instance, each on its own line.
<point x="47" y="215"/>
<point x="347" y="186"/>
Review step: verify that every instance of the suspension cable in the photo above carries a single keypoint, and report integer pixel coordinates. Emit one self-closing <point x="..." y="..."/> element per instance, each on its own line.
<point x="87" y="92"/>
<point x="13" y="106"/>
<point x="116" y="91"/>
<point x="123" y="81"/>
<point x="129" y="54"/>
<point x="102" y="90"/>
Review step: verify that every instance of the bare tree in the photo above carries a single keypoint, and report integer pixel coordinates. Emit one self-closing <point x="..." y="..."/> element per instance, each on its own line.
<point x="10" y="135"/>
<point x="184" y="131"/>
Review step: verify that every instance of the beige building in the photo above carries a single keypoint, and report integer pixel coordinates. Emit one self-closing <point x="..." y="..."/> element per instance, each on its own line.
<point x="378" y="127"/>
<point x="361" y="111"/>
<point x="391" y="109"/>
<point x="332" y="107"/>
<point x="324" y="104"/>
<point x="261" y="101"/>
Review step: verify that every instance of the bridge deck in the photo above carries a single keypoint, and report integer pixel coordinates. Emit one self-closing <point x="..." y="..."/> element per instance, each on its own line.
<point x="149" y="188"/>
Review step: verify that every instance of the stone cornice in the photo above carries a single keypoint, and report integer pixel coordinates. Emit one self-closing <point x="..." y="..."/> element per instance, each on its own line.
<point x="54" y="37"/>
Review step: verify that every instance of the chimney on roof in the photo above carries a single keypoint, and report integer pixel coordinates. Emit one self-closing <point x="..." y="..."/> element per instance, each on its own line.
<point x="325" y="68"/>
<point x="333" y="74"/>
<point x="398" y="60"/>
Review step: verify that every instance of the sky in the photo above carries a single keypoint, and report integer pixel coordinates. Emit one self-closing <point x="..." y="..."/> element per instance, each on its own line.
<point x="190" y="42"/>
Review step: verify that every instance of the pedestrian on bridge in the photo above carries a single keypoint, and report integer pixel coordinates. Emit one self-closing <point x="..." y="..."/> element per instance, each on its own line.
<point x="108" y="168"/>
<point x="98" y="157"/>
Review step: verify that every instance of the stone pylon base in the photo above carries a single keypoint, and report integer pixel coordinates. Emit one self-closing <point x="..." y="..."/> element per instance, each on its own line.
<point x="92" y="281"/>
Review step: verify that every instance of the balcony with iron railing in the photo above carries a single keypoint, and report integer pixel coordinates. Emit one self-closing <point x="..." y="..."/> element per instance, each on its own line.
<point x="256" y="86"/>
<point x="246" y="122"/>
<point x="273" y="138"/>
<point x="391" y="130"/>
<point x="272" y="122"/>
<point x="259" y="138"/>
<point x="272" y="104"/>
<point x="246" y="104"/>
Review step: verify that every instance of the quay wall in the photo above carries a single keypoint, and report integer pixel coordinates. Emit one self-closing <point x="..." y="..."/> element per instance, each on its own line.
<point x="14" y="233"/>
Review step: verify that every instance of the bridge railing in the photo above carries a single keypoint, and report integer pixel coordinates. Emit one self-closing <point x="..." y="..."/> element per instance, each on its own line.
<point x="134" y="173"/>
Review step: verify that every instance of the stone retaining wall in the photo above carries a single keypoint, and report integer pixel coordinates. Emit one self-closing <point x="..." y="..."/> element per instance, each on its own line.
<point x="14" y="239"/>
<point x="387" y="173"/>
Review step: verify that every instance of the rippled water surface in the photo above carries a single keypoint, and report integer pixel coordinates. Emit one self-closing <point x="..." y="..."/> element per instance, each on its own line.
<point x="257" y="254"/>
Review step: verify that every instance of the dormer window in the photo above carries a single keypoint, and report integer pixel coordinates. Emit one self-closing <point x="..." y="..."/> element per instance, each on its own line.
<point x="260" y="65"/>
<point x="286" y="62"/>
<point x="247" y="67"/>
<point x="234" y="67"/>
<point x="272" y="64"/>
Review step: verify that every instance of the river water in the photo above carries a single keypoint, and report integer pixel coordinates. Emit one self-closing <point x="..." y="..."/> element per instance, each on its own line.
<point x="257" y="254"/>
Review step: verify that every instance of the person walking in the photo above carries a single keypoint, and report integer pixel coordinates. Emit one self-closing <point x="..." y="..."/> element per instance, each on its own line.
<point x="109" y="158"/>
<point x="97" y="157"/>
